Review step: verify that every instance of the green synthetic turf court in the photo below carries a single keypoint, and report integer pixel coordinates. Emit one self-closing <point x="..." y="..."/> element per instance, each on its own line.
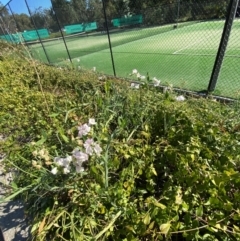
<point x="183" y="57"/>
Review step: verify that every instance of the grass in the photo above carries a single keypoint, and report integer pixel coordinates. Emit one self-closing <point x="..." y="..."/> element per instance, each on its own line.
<point x="168" y="169"/>
<point x="183" y="57"/>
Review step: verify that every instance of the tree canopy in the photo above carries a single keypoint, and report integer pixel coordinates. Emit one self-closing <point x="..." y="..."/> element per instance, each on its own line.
<point x="155" y="12"/>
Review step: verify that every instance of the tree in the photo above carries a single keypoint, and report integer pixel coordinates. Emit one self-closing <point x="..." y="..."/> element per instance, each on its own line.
<point x="24" y="22"/>
<point x="64" y="11"/>
<point x="95" y="11"/>
<point x="80" y="10"/>
<point x="7" y="22"/>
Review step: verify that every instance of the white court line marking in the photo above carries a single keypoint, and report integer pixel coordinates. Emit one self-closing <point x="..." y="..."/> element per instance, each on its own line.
<point x="194" y="43"/>
<point x="187" y="47"/>
<point x="227" y="55"/>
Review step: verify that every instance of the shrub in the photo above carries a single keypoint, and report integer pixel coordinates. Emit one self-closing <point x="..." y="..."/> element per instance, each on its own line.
<point x="168" y="170"/>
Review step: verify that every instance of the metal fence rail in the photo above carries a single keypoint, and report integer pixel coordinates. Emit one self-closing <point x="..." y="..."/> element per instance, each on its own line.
<point x="191" y="45"/>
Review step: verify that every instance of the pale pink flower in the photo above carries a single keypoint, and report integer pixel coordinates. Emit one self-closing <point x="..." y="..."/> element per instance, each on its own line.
<point x="89" y="143"/>
<point x="83" y="130"/>
<point x="91" y="147"/>
<point x="80" y="156"/>
<point x="97" y="149"/>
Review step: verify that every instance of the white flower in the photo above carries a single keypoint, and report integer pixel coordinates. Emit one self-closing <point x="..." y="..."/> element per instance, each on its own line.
<point x="142" y="77"/>
<point x="138" y="75"/>
<point x="156" y="82"/>
<point x="134" y="71"/>
<point x="91" y="146"/>
<point x="83" y="130"/>
<point x="59" y="161"/>
<point x="168" y="89"/>
<point x="135" y="86"/>
<point x="97" y="149"/>
<point x="66" y="169"/>
<point x="79" y="169"/>
<point x="54" y="171"/>
<point x="92" y="121"/>
<point x="63" y="162"/>
<point x="78" y="60"/>
<point x="94" y="69"/>
<point x="180" y="98"/>
<point x="35" y="153"/>
<point x="80" y="156"/>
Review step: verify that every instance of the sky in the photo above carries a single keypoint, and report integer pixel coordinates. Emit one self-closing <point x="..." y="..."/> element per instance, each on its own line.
<point x="19" y="6"/>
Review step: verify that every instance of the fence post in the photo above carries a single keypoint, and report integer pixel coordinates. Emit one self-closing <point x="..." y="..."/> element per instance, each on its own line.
<point x="109" y="40"/>
<point x="178" y="10"/>
<point x="59" y="26"/>
<point x="37" y="32"/>
<point x="17" y="25"/>
<point x="232" y="8"/>
<point x="6" y="29"/>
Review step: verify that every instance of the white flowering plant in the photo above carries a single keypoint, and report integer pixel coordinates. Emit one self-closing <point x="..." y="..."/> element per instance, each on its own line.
<point x="171" y="165"/>
<point x="142" y="79"/>
<point x="80" y="154"/>
<point x="146" y="81"/>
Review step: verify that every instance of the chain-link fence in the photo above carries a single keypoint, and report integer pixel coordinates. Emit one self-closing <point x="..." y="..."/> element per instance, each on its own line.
<point x="183" y="43"/>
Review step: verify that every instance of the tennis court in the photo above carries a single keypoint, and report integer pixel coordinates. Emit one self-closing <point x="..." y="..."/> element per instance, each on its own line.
<point x="183" y="57"/>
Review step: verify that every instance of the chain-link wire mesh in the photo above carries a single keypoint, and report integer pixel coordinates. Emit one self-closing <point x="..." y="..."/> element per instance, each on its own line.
<point x="173" y="42"/>
<point x="228" y="83"/>
<point x="176" y="42"/>
<point x="83" y="34"/>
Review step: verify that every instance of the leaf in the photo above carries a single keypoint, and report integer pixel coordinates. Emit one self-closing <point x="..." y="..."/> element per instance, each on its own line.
<point x="192" y="157"/>
<point x="14" y="186"/>
<point x="145" y="134"/>
<point x="164" y="228"/>
<point x="147" y="219"/>
<point x="41" y="226"/>
<point x="151" y="225"/>
<point x="153" y="171"/>
<point x="108" y="226"/>
<point x="34" y="227"/>
<point x="160" y="205"/>
<point x="41" y="141"/>
<point x="15" y="194"/>
<point x="130" y="228"/>
<point x="54" y="115"/>
<point x="199" y="211"/>
<point x="236" y="228"/>
<point x="64" y="137"/>
<point x="185" y="207"/>
<point x="101" y="209"/>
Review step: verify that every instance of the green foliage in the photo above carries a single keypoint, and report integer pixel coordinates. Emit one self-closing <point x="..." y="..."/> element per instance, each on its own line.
<point x="169" y="169"/>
